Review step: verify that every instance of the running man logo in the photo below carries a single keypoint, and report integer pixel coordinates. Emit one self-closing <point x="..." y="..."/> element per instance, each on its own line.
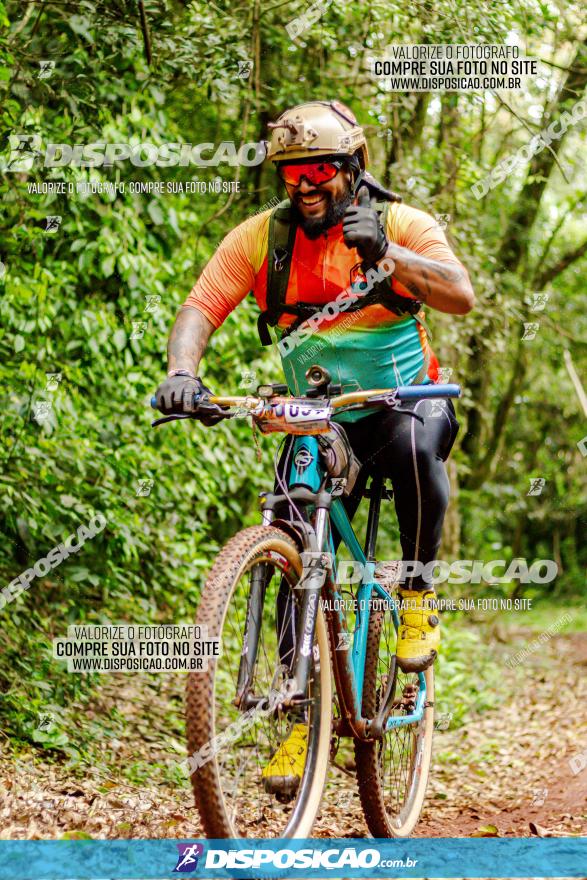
<point x="537" y="484"/>
<point x="41" y="410"/>
<point x="53" y="381"/>
<point x="442" y="220"/>
<point x="437" y="409"/>
<point x="24" y="148"/>
<point x="248" y="378"/>
<point x="244" y="69"/>
<point x="344" y="641"/>
<point x="187" y="861"/>
<point x="152" y="302"/>
<point x="538" y="301"/>
<point x="530" y="330"/>
<point x="46" y="69"/>
<point x="138" y="329"/>
<point x="539" y="796"/>
<point x="52" y="222"/>
<point x="444" y="374"/>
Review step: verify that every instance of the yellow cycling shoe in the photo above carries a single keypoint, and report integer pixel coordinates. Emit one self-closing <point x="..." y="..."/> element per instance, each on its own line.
<point x="418" y="638"/>
<point x="283" y="773"/>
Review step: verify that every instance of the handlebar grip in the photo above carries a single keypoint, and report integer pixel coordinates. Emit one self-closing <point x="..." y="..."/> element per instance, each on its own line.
<point x="422" y="392"/>
<point x="154" y="401"/>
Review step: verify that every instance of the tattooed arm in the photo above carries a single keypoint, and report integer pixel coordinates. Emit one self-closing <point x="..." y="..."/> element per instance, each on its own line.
<point x="188" y="340"/>
<point x="441" y="285"/>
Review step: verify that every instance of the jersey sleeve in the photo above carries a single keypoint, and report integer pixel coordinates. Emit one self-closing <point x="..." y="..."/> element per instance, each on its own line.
<point x="419" y="232"/>
<point x="230" y="274"/>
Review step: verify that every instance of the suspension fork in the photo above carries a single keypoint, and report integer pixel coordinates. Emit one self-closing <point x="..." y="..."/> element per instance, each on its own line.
<point x="256" y="598"/>
<point x="311" y="581"/>
<point x="259" y="579"/>
<point x="305" y="487"/>
<point x="313" y="577"/>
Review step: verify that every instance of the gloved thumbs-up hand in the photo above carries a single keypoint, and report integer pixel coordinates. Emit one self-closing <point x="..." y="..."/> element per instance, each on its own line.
<point x="362" y="229"/>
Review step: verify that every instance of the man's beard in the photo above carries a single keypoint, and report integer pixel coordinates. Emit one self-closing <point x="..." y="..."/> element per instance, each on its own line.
<point x="313" y="227"/>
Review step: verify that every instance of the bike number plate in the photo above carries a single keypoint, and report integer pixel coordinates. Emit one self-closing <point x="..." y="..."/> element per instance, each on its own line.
<point x="294" y="416"/>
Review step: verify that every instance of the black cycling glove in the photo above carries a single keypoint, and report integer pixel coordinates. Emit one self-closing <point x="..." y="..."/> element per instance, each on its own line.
<point x="176" y="396"/>
<point x="362" y="229"/>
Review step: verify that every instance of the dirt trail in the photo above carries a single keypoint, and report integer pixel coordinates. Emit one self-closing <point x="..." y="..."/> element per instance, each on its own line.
<point x="507" y="768"/>
<point x="507" y="772"/>
<point x="515" y="771"/>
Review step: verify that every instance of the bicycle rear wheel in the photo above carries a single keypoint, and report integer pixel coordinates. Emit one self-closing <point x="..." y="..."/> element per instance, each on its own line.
<point x="228" y="783"/>
<point x="393" y="772"/>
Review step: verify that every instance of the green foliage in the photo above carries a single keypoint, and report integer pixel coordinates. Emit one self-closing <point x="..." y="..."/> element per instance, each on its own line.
<point x="75" y="303"/>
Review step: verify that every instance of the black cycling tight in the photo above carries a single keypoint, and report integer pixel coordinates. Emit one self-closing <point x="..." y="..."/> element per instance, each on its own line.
<point x="411" y="453"/>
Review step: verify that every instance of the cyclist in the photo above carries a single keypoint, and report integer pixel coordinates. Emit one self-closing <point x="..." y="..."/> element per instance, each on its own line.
<point x="329" y="244"/>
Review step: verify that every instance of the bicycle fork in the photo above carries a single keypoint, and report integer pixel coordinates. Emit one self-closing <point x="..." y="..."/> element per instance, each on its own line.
<point x="310" y="585"/>
<point x="244" y="699"/>
<point x="311" y="581"/>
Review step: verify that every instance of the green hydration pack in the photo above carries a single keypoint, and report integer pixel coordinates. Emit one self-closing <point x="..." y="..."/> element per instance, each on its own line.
<point x="281" y="239"/>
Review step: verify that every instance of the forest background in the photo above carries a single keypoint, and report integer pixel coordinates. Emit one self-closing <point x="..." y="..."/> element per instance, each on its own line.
<point x="86" y="309"/>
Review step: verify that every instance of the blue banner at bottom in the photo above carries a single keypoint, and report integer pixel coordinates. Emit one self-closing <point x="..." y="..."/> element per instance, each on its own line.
<point x="489" y="858"/>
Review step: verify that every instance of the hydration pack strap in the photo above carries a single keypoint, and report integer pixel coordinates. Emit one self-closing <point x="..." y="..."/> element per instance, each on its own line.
<point x="281" y="239"/>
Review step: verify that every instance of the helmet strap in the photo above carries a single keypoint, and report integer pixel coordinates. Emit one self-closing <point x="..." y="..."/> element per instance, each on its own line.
<point x="356" y="171"/>
<point x="357" y="182"/>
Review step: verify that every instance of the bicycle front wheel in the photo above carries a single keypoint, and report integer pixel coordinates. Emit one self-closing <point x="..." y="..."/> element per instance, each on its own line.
<point x="229" y="747"/>
<point x="392" y="772"/>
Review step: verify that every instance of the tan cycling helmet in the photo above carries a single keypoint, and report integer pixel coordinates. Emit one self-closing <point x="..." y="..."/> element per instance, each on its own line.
<point x="318" y="128"/>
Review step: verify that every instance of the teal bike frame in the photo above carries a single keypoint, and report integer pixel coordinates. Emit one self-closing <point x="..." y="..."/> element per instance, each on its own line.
<point x="307" y="477"/>
<point x="351" y="664"/>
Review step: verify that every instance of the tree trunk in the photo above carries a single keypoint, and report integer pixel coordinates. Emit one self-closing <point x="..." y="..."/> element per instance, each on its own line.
<point x="408" y="131"/>
<point x="514" y="248"/>
<point x="448" y="143"/>
<point x="512" y="256"/>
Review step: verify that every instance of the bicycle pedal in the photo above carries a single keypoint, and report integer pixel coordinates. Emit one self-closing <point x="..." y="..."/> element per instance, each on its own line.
<point x="283" y="788"/>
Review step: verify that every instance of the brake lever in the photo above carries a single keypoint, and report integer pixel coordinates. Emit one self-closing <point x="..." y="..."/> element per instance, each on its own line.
<point x="174" y="416"/>
<point x="171" y="418"/>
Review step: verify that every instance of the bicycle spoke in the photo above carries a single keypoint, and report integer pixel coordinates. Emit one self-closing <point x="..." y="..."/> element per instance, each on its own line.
<point x="240" y="771"/>
<point x="396" y="767"/>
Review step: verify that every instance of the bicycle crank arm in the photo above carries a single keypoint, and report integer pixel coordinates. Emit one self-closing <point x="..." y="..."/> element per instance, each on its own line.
<point x="273" y="704"/>
<point x="376" y="728"/>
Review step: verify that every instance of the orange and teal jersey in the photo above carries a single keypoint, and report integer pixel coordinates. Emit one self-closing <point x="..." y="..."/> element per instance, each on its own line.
<point x="368" y="348"/>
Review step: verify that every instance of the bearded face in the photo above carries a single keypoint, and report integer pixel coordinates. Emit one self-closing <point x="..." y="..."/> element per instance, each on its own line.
<point x="318" y="207"/>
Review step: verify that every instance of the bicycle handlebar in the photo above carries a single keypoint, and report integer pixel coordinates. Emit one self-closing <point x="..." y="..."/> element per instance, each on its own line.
<point x="372" y="396"/>
<point x="402" y="392"/>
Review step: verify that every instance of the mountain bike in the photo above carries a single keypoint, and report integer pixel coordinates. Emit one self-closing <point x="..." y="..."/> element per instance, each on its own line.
<point x="292" y="650"/>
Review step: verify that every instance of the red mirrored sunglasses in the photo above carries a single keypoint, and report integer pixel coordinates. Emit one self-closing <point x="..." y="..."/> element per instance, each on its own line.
<point x="314" y="172"/>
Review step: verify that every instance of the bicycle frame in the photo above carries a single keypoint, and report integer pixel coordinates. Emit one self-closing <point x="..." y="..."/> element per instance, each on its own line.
<point x="307" y="479"/>
<point x="349" y="666"/>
